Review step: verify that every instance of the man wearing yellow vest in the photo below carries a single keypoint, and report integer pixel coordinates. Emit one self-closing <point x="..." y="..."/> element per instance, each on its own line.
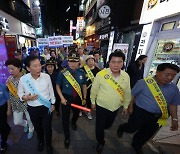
<point x="153" y="98"/>
<point x="110" y="90"/>
<point x="71" y="88"/>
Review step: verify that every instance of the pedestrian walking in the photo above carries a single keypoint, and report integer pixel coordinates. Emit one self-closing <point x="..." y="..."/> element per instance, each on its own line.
<point x="153" y="100"/>
<point x="71" y="87"/>
<point x="19" y="108"/>
<point x="36" y="89"/>
<point x="91" y="70"/>
<point x="110" y="90"/>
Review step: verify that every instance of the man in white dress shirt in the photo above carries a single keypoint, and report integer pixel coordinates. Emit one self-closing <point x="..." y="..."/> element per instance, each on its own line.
<point x="36" y="89"/>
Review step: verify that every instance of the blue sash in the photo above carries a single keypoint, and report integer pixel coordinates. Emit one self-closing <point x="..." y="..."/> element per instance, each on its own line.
<point x="33" y="90"/>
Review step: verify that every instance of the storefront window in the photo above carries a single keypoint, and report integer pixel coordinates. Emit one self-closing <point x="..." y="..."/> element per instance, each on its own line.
<point x="167" y="51"/>
<point x="168" y="26"/>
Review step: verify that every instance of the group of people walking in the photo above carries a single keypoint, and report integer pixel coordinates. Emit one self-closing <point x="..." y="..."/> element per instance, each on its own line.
<point x="37" y="94"/>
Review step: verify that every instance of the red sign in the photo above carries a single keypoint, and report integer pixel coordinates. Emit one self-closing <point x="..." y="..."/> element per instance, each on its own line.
<point x="11" y="45"/>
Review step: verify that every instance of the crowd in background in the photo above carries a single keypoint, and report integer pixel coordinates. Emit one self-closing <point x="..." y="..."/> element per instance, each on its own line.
<point x="103" y="90"/>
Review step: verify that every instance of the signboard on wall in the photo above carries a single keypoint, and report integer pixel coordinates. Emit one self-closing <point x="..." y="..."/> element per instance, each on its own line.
<point x="11" y="45"/>
<point x="27" y="30"/>
<point x="3" y="57"/>
<point x="79" y="26"/>
<point x="104" y="11"/>
<point x="145" y="35"/>
<point x="156" y="9"/>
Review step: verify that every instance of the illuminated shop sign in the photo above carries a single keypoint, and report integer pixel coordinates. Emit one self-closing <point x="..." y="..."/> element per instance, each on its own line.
<point x="27" y="30"/>
<point x="4" y="22"/>
<point x="104" y="11"/>
<point x="156" y="9"/>
<point x="104" y="36"/>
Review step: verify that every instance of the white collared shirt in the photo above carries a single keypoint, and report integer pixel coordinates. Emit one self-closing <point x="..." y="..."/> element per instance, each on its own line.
<point x="43" y="85"/>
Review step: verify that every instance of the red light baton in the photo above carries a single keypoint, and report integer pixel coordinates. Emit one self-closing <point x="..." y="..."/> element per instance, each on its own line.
<point x="80" y="107"/>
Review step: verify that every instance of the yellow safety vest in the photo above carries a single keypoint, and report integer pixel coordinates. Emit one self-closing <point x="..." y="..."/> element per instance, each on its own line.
<point x="73" y="82"/>
<point x="112" y="82"/>
<point x="89" y="73"/>
<point x="160" y="99"/>
<point x="12" y="89"/>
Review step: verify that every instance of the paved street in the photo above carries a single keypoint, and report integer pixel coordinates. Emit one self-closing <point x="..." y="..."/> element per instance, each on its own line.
<point x="82" y="141"/>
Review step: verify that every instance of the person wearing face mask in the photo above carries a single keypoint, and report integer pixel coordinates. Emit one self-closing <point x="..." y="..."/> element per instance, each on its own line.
<point x="19" y="107"/>
<point x="136" y="69"/>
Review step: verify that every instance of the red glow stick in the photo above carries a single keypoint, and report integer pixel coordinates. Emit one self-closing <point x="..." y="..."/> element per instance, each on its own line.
<point x="80" y="107"/>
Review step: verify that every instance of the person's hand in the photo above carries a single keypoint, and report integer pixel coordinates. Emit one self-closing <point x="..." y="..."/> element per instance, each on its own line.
<point x="9" y="112"/>
<point x="63" y="101"/>
<point x="174" y="125"/>
<point x="83" y="102"/>
<point x="130" y="109"/>
<point x="93" y="106"/>
<point x="30" y="97"/>
<point x="125" y="112"/>
<point x="52" y="108"/>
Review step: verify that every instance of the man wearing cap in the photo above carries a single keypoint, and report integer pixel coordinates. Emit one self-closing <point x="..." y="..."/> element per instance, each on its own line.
<point x="71" y="88"/>
<point x="91" y="70"/>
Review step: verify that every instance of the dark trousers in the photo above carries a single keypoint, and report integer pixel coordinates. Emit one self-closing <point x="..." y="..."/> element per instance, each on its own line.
<point x="65" y="118"/>
<point x="88" y="100"/>
<point x="104" y="120"/>
<point x="4" y="126"/>
<point x="41" y="119"/>
<point x="143" y="123"/>
<point x="57" y="103"/>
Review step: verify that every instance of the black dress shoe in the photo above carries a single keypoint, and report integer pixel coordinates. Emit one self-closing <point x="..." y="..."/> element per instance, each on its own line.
<point x="74" y="126"/>
<point x="66" y="143"/>
<point x="40" y="146"/>
<point x="49" y="149"/>
<point x="99" y="147"/>
<point x="119" y="132"/>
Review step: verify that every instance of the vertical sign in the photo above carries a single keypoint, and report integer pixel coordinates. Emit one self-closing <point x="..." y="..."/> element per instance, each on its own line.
<point x="71" y="25"/>
<point x="3" y="57"/>
<point x="145" y="35"/>
<point x="111" y="39"/>
<point x="79" y="26"/>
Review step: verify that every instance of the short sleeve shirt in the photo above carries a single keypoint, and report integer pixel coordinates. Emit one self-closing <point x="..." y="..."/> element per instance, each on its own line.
<point x="145" y="100"/>
<point x="66" y="87"/>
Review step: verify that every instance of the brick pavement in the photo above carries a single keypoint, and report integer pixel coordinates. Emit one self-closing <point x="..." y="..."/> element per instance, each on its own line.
<point x="82" y="141"/>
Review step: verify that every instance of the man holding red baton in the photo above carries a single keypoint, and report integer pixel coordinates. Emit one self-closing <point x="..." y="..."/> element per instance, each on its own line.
<point x="71" y="88"/>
